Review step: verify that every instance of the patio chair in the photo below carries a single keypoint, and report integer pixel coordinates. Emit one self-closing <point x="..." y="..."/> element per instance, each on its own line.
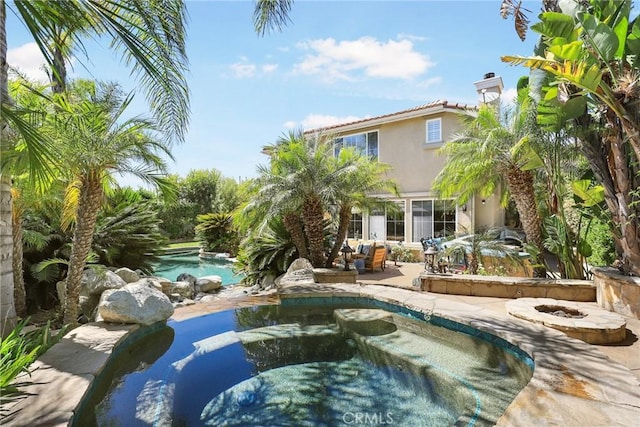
<point x="375" y="259"/>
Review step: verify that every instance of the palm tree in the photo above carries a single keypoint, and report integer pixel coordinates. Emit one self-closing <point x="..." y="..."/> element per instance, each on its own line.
<point x="305" y="184"/>
<point x="480" y="160"/>
<point x="357" y="180"/>
<point x="588" y="57"/>
<point x="297" y="186"/>
<point x="150" y="36"/>
<point x="95" y="142"/>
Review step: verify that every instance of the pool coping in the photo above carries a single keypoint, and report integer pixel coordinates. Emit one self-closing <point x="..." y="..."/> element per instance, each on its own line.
<point x="568" y="373"/>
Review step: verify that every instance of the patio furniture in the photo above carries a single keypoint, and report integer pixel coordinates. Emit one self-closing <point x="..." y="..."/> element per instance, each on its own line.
<point x="375" y="258"/>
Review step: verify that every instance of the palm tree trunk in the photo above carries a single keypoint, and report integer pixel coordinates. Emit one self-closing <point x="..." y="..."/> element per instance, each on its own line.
<point x="623" y="203"/>
<point x="312" y="218"/>
<point x="19" y="292"/>
<point x="293" y="225"/>
<point x="520" y="185"/>
<point x="86" y="216"/>
<point x="341" y="235"/>
<point x="7" y="309"/>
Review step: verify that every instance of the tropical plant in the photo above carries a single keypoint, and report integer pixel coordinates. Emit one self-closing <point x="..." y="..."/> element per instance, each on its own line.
<point x="150" y="36"/>
<point x="480" y="160"/>
<point x="305" y="183"/>
<point x="265" y="253"/>
<point x="19" y="350"/>
<point x="95" y="141"/>
<point x="216" y="233"/>
<point x="127" y="232"/>
<point x="587" y="69"/>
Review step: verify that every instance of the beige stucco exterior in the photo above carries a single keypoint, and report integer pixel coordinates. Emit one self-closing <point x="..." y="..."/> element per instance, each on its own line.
<point x="402" y="143"/>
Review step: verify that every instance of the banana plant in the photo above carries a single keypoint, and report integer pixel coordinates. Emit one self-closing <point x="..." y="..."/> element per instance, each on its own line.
<point x="587" y="68"/>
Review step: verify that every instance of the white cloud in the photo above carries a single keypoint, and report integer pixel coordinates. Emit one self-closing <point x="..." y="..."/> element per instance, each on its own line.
<point x="290" y="124"/>
<point x="269" y="68"/>
<point x="29" y="60"/>
<point x="242" y="70"/>
<point x="347" y="60"/>
<point x="315" y="121"/>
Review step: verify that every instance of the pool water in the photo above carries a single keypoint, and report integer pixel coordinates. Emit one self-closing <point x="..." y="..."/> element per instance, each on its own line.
<point x="171" y="266"/>
<point x="290" y="365"/>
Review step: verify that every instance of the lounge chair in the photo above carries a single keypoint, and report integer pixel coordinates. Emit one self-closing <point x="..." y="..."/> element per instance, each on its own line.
<point x="375" y="258"/>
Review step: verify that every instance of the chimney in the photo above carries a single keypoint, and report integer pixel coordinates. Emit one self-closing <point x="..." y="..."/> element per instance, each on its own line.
<point x="489" y="89"/>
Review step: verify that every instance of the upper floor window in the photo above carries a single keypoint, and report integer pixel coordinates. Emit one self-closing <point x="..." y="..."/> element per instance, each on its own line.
<point x="364" y="143"/>
<point x="434" y="131"/>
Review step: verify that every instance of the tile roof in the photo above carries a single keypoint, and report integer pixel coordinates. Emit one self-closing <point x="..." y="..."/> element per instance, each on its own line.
<point x="438" y="103"/>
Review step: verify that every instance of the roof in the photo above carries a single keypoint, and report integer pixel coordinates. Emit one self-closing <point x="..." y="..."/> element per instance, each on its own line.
<point x="420" y="110"/>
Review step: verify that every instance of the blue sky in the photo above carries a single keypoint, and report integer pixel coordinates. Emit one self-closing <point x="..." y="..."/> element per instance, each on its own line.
<point x="337" y="61"/>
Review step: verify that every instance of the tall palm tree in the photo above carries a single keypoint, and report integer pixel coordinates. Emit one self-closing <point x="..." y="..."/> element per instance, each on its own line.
<point x="480" y="160"/>
<point x="95" y="142"/>
<point x="151" y="38"/>
<point x="590" y="59"/>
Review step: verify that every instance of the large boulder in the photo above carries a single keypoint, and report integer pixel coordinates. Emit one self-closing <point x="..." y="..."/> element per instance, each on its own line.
<point x="208" y="284"/>
<point x="135" y="303"/>
<point x="184" y="289"/>
<point x="153" y="282"/>
<point x="300" y="272"/>
<point x="95" y="282"/>
<point x="127" y="274"/>
<point x="186" y="277"/>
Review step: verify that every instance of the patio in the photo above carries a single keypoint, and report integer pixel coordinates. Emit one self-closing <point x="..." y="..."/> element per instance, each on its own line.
<point x="593" y="380"/>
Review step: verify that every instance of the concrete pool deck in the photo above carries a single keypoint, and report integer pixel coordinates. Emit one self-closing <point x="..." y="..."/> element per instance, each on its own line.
<point x="574" y="383"/>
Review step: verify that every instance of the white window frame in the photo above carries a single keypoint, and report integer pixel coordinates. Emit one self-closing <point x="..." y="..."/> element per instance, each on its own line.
<point x="433" y="141"/>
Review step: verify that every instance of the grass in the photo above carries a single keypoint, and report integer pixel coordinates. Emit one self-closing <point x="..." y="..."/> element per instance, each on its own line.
<point x="181" y="245"/>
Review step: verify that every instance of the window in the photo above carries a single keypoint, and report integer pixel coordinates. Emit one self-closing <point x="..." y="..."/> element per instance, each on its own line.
<point x="395" y="224"/>
<point x="422" y="219"/>
<point x="387" y="225"/>
<point x="364" y="143"/>
<point x="355" y="226"/>
<point x="433" y="218"/>
<point x="434" y="131"/>
<point x="444" y="214"/>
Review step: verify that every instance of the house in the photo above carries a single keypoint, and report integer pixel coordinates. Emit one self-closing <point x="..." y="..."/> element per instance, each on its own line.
<point x="408" y="140"/>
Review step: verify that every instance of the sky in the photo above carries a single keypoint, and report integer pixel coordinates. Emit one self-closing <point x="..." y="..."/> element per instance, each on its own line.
<point x="337" y="61"/>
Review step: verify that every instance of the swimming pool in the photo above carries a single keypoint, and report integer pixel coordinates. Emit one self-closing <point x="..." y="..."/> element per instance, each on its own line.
<point x="317" y="362"/>
<point x="171" y="266"/>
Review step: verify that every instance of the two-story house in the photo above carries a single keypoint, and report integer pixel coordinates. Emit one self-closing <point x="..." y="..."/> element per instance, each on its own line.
<point x="408" y="141"/>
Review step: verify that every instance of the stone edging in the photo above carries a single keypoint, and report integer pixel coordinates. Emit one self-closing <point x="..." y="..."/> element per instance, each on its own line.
<point x="508" y="287"/>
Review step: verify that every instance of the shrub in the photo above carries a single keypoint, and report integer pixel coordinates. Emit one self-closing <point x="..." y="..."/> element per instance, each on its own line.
<point x="19" y="350"/>
<point x="403" y="254"/>
<point x="216" y="233"/>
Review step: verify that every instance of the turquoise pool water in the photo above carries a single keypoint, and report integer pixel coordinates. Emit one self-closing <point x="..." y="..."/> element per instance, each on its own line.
<point x="336" y="362"/>
<point x="171" y="266"/>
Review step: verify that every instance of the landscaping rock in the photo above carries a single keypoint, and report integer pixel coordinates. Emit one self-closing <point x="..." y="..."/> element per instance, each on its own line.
<point x="127" y="275"/>
<point x="96" y="282"/>
<point x="185" y="289"/>
<point x="300" y="264"/>
<point x="135" y="303"/>
<point x="209" y="284"/>
<point x="186" y="277"/>
<point x="152" y="282"/>
<point x="300" y="272"/>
